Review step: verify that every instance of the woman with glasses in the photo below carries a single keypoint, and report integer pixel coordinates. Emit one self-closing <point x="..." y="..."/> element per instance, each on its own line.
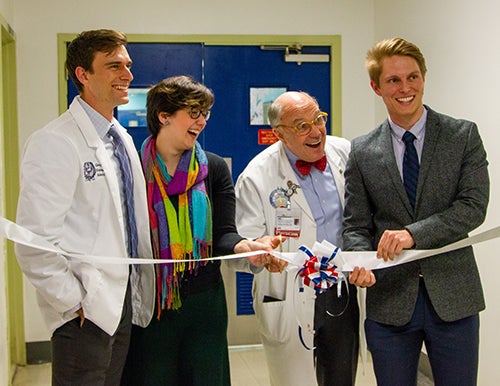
<point x="191" y="207"/>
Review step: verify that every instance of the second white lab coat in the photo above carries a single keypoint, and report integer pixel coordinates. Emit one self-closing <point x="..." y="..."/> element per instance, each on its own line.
<point x="289" y="362"/>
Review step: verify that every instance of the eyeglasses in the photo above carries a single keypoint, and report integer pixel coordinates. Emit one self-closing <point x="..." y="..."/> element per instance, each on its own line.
<point x="304" y="128"/>
<point x="195" y="114"/>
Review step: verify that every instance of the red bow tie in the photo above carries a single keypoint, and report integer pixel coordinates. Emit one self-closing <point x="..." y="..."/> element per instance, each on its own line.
<point x="304" y="167"/>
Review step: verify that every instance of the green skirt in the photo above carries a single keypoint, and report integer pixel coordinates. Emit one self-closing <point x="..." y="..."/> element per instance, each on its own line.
<point x="186" y="347"/>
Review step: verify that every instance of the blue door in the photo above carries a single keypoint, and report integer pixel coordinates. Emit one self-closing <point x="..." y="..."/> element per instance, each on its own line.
<point x="233" y="72"/>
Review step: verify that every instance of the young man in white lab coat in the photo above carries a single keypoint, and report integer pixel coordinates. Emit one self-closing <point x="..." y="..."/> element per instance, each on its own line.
<point x="73" y="195"/>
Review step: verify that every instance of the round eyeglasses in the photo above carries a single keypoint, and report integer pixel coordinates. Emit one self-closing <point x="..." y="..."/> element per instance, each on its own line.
<point x="304" y="128"/>
<point x="195" y="114"/>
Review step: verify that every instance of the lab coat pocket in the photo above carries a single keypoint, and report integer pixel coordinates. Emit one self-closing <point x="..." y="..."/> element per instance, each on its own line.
<point x="273" y="321"/>
<point x="91" y="279"/>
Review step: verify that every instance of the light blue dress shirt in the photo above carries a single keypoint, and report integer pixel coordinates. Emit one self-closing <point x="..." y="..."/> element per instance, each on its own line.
<point x="323" y="198"/>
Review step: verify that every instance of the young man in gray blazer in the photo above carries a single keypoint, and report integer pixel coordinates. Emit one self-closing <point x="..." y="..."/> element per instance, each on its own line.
<point x="424" y="193"/>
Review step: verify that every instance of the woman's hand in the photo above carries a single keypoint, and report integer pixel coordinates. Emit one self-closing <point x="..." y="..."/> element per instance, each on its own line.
<point x="265" y="243"/>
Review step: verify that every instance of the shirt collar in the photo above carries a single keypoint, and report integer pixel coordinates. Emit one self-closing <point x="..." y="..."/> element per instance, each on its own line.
<point x="417" y="129"/>
<point x="292" y="158"/>
<point x="100" y="123"/>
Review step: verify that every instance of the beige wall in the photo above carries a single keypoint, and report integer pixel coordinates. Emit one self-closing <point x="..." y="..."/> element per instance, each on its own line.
<point x="7" y="10"/>
<point x="459" y="40"/>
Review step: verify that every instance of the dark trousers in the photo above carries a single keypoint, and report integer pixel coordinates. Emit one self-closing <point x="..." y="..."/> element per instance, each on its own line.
<point x="336" y="321"/>
<point x="87" y="355"/>
<point x="186" y="347"/>
<point x="452" y="347"/>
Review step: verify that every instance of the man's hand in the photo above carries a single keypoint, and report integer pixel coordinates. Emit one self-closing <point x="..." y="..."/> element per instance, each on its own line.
<point x="362" y="277"/>
<point x="80" y="313"/>
<point x="393" y="242"/>
<point x="266" y="243"/>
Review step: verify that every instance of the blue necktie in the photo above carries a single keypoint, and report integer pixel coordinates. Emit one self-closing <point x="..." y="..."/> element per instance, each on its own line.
<point x="410" y="167"/>
<point x="128" y="187"/>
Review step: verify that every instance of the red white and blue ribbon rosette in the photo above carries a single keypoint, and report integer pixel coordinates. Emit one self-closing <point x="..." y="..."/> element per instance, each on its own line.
<point x="322" y="267"/>
<point x="320" y="272"/>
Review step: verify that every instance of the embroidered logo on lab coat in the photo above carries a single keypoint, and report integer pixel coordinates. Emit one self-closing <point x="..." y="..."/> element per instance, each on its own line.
<point x="90" y="171"/>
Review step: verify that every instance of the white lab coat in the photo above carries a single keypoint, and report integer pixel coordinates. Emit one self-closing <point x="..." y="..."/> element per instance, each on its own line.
<point x="289" y="362"/>
<point x="70" y="195"/>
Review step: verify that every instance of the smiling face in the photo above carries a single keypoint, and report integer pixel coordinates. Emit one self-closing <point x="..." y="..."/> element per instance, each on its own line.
<point x="296" y="109"/>
<point x="106" y="85"/>
<point x="401" y="86"/>
<point x="181" y="132"/>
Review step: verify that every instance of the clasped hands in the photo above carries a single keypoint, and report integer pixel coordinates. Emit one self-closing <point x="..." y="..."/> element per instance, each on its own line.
<point x="267" y="260"/>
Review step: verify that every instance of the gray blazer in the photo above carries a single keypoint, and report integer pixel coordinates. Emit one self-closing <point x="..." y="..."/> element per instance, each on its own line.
<point x="452" y="197"/>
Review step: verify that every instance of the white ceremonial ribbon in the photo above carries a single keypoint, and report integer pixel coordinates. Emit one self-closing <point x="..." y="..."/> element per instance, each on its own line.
<point x="21" y="235"/>
<point x="346" y="260"/>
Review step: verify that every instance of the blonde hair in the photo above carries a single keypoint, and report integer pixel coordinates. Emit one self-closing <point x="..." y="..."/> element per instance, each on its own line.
<point x="391" y="47"/>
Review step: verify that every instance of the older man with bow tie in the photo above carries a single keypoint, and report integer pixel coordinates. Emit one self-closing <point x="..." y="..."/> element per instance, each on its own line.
<point x="295" y="188"/>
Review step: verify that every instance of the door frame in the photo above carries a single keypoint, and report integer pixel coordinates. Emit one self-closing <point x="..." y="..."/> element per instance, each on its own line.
<point x="334" y="41"/>
<point x="16" y="346"/>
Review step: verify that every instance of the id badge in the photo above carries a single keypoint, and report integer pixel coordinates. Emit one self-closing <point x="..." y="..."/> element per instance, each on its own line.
<point x="288" y="222"/>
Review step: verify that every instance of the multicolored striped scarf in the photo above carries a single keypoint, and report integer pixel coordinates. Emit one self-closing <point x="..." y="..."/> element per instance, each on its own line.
<point x="182" y="231"/>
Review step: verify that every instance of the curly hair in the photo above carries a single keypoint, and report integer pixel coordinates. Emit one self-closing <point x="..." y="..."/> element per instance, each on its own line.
<point x="173" y="94"/>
